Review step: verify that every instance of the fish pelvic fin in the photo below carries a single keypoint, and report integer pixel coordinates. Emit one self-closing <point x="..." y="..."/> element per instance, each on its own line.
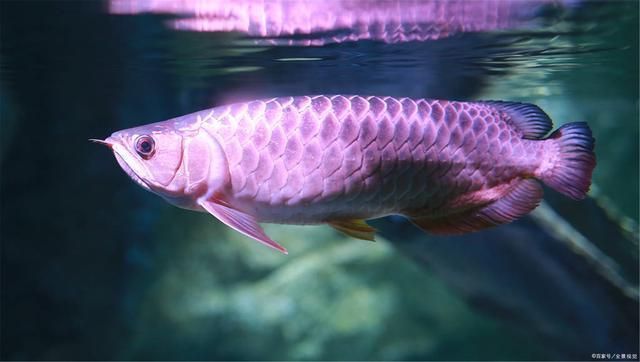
<point x="523" y="197"/>
<point x="356" y="228"/>
<point x="241" y="222"/>
<point x="532" y="121"/>
<point x="571" y="165"/>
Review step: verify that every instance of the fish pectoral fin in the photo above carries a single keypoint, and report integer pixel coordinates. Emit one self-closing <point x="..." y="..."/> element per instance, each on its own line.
<point x="356" y="228"/>
<point x="519" y="201"/>
<point x="240" y="221"/>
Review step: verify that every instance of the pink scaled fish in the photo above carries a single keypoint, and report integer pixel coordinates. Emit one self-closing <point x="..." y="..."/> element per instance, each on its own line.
<point x="450" y="167"/>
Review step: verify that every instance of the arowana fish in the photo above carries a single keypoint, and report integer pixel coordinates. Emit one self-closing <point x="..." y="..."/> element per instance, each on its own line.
<point x="450" y="167"/>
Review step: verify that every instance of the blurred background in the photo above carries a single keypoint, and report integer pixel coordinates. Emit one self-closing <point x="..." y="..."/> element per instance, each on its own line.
<point x="94" y="267"/>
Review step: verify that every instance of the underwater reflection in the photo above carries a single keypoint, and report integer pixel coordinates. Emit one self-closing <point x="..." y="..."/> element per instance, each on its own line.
<point x="310" y="22"/>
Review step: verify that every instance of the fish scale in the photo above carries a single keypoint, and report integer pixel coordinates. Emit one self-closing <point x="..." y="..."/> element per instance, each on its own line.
<point x="323" y="130"/>
<point x="451" y="167"/>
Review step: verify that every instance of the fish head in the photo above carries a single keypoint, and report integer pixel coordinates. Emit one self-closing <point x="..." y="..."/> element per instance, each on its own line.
<point x="178" y="165"/>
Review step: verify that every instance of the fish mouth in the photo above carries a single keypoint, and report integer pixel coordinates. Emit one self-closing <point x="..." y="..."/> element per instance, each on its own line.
<point x="132" y="167"/>
<point x="129" y="171"/>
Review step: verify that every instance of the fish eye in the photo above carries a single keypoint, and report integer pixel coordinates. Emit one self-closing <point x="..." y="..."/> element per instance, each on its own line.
<point x="145" y="146"/>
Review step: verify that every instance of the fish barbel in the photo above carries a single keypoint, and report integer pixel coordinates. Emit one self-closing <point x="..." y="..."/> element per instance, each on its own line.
<point x="450" y="167"/>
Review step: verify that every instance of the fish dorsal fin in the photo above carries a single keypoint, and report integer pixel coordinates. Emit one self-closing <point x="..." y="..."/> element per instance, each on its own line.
<point x="240" y="221"/>
<point x="356" y="228"/>
<point x="532" y="121"/>
<point x="519" y="201"/>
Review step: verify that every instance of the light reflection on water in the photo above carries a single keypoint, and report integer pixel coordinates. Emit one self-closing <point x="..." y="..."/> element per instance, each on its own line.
<point x="315" y="23"/>
<point x="528" y="39"/>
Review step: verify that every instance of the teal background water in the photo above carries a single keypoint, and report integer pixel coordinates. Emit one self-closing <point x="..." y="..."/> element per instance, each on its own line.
<point x="93" y="267"/>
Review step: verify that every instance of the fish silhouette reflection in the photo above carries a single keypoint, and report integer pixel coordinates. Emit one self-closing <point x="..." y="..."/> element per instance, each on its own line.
<point x="311" y="22"/>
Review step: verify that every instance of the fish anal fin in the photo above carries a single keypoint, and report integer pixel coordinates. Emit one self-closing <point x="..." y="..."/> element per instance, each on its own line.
<point x="356" y="228"/>
<point x="519" y="201"/>
<point x="241" y="222"/>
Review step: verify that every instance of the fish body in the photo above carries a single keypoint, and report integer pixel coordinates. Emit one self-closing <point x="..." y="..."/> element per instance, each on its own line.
<point x="451" y="167"/>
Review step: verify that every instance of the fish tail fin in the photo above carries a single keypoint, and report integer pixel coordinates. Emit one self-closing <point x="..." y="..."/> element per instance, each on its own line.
<point x="570" y="169"/>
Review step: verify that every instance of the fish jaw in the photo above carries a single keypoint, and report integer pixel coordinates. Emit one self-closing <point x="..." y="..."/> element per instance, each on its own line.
<point x="129" y="164"/>
<point x="121" y="158"/>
